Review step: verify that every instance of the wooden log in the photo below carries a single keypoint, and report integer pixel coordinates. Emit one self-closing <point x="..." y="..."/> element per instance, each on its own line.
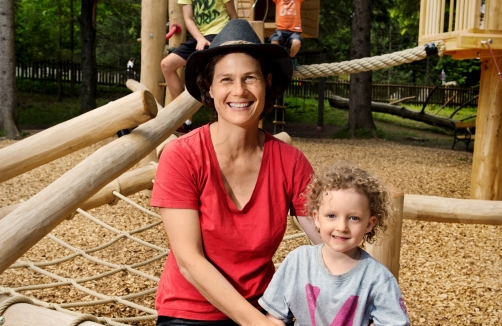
<point x="136" y="86"/>
<point x="452" y="210"/>
<point x="153" y="39"/>
<point x="25" y="314"/>
<point x="486" y="176"/>
<point x="35" y="218"/>
<point x="341" y="102"/>
<point x="284" y="137"/>
<point x="84" y="130"/>
<point x="387" y="248"/>
<point x="401" y="100"/>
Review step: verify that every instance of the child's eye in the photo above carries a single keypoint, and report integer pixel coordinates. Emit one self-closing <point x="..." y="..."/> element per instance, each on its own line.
<point x="354" y="218"/>
<point x="330" y="215"/>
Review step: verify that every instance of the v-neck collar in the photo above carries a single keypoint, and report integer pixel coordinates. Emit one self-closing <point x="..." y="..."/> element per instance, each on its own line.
<point x="217" y="170"/>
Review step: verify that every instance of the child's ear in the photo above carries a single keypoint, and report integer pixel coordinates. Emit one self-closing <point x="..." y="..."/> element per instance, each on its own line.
<point x="371" y="223"/>
<point x="316" y="218"/>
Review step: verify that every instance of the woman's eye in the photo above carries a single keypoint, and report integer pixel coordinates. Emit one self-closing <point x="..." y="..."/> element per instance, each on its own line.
<point x="251" y="79"/>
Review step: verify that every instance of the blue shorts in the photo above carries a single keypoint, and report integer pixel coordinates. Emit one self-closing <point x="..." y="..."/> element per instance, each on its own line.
<point x="285" y="38"/>
<point x="188" y="47"/>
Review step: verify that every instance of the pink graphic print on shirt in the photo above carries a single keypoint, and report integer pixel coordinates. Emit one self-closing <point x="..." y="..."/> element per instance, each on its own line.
<point x="345" y="317"/>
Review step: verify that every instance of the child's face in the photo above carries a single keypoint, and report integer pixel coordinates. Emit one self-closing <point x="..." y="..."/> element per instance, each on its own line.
<point x="343" y="219"/>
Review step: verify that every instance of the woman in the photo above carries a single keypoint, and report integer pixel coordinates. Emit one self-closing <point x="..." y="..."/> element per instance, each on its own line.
<point x="225" y="189"/>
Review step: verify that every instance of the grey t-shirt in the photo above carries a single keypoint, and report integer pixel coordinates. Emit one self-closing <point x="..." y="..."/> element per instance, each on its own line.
<point x="304" y="288"/>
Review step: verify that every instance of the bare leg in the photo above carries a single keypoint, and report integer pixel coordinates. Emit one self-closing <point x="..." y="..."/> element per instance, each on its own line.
<point x="295" y="47"/>
<point x="169" y="65"/>
<point x="275" y="42"/>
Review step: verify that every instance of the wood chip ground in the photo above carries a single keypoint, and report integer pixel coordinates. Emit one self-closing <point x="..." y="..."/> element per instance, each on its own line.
<point x="451" y="274"/>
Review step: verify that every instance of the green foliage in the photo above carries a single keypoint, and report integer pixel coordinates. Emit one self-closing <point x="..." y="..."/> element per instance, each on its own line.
<point x="118" y="28"/>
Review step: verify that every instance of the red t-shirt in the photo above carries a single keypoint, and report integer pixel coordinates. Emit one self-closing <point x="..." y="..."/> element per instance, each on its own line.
<point x="239" y="243"/>
<point x="288" y="15"/>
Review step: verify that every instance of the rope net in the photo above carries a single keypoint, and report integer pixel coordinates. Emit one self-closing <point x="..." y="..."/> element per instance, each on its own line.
<point x="101" y="267"/>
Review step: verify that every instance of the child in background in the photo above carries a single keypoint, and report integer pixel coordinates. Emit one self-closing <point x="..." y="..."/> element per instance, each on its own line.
<point x="203" y="19"/>
<point x="336" y="282"/>
<point x="289" y="25"/>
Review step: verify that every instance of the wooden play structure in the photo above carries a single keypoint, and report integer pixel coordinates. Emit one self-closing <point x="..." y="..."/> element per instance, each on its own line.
<point x="105" y="175"/>
<point x="473" y="29"/>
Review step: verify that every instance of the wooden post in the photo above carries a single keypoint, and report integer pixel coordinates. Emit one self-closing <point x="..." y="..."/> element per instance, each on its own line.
<point x="176" y="16"/>
<point x="84" y="130"/>
<point x="153" y="39"/>
<point x="35" y="218"/>
<point x="486" y="178"/>
<point x="24" y="314"/>
<point x="387" y="248"/>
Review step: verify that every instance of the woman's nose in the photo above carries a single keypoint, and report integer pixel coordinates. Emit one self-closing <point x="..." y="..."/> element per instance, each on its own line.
<point x="240" y="88"/>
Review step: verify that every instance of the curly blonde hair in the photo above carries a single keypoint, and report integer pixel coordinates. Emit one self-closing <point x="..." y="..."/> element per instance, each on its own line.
<point x="343" y="175"/>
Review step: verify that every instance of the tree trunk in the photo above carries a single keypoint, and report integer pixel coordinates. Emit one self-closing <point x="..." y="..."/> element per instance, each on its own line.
<point x="360" y="84"/>
<point x="8" y="100"/>
<point x="89" y="72"/>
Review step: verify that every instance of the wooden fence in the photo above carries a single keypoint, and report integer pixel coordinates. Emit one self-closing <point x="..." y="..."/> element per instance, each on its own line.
<point x="388" y="92"/>
<point x="114" y="76"/>
<point x="47" y="71"/>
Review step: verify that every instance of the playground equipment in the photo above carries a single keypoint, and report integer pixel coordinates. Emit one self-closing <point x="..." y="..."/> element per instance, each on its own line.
<point x="473" y="29"/>
<point x="26" y="224"/>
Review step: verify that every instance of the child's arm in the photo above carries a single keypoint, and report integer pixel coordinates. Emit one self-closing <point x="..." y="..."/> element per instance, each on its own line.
<point x="193" y="29"/>
<point x="276" y="321"/>
<point x="230" y="6"/>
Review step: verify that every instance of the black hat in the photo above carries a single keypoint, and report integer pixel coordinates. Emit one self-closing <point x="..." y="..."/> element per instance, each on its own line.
<point x="238" y="35"/>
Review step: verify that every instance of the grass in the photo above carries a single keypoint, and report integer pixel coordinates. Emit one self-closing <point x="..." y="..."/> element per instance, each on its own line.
<point x="39" y="109"/>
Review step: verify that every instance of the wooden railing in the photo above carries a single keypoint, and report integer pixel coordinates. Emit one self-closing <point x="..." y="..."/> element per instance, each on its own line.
<point x="48" y="70"/>
<point x="388" y="92"/>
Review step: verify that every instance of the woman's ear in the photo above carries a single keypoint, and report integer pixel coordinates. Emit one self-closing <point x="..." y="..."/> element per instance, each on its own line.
<point x="269" y="80"/>
<point x="371" y="223"/>
<point x="211" y="92"/>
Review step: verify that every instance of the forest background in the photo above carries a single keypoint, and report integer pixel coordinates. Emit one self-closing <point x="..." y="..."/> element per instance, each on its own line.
<point x="48" y="29"/>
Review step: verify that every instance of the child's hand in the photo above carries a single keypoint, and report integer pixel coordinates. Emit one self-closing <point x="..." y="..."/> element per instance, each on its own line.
<point x="201" y="44"/>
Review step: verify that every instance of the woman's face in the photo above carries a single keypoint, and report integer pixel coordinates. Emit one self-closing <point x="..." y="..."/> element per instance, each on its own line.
<point x="238" y="89"/>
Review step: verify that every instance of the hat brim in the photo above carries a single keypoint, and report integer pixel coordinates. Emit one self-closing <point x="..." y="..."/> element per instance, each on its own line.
<point x="278" y="58"/>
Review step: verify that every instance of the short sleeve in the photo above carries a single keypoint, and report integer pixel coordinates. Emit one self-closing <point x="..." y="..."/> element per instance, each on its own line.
<point x="388" y="305"/>
<point x="175" y="183"/>
<point x="303" y="173"/>
<point x="274" y="299"/>
<point x="184" y="2"/>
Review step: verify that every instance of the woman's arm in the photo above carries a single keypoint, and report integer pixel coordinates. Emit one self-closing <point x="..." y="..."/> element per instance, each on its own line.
<point x="308" y="226"/>
<point x="183" y="230"/>
<point x="193" y="29"/>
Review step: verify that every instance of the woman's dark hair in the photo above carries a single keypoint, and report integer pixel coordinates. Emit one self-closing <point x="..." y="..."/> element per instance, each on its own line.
<point x="205" y="79"/>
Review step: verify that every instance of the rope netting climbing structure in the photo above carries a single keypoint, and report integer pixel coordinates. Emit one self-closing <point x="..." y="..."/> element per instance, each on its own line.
<point x="99" y="266"/>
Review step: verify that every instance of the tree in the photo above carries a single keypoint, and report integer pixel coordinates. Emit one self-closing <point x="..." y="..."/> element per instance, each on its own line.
<point x="88" y="55"/>
<point x="8" y="100"/>
<point x="360" y="84"/>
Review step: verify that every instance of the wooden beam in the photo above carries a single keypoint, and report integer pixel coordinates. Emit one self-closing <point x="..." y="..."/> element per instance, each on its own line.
<point x="486" y="178"/>
<point x="452" y="210"/>
<point x="35" y="218"/>
<point x="387" y="248"/>
<point x="84" y="130"/>
<point x="24" y="314"/>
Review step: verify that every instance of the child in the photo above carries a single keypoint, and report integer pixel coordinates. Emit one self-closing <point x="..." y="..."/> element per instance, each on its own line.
<point x="336" y="282"/>
<point x="203" y="19"/>
<point x="289" y="25"/>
